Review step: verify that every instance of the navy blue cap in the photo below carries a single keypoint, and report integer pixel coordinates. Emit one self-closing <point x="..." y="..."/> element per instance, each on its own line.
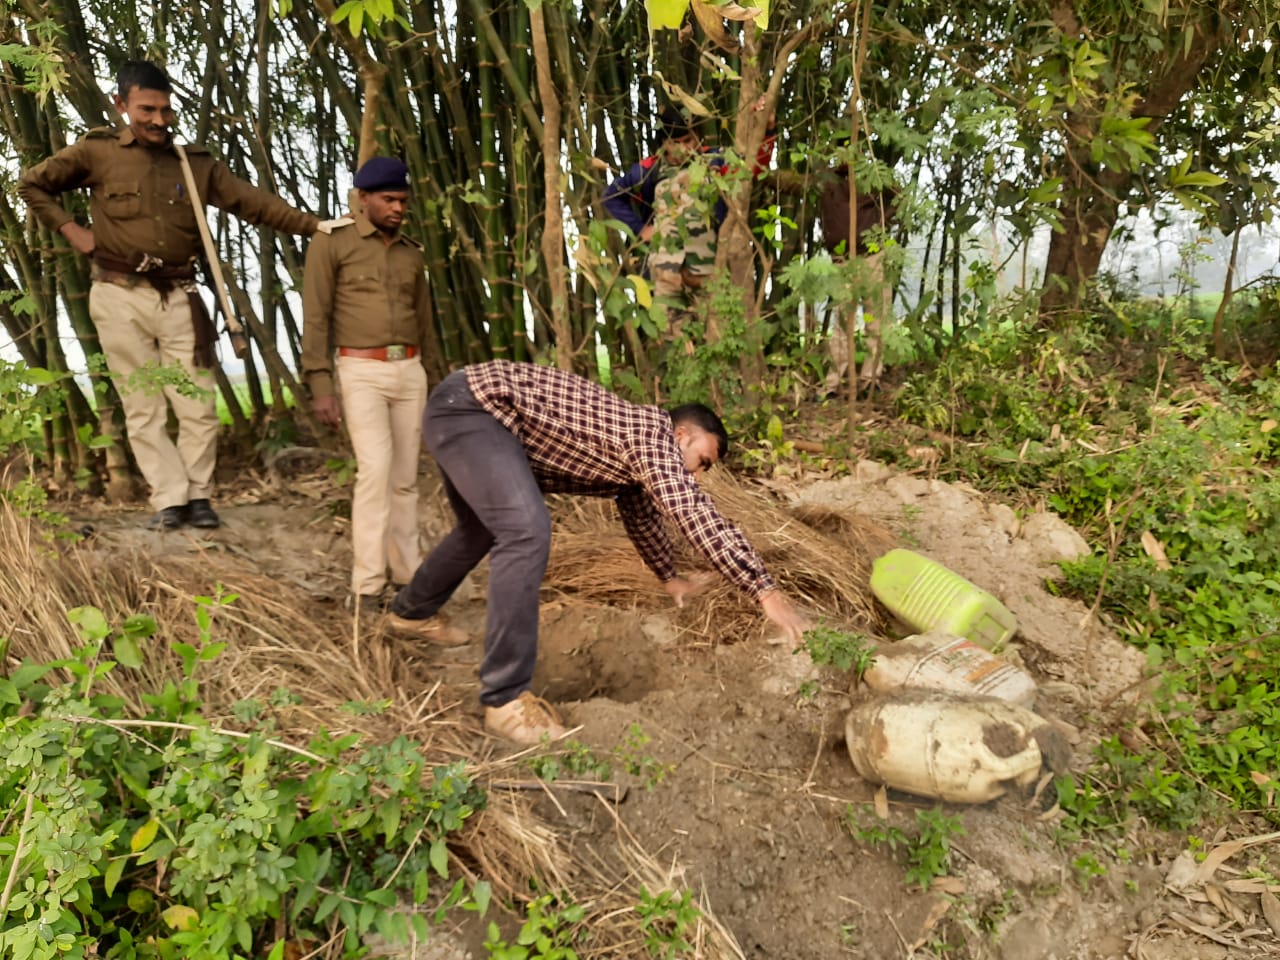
<point x="382" y="173"/>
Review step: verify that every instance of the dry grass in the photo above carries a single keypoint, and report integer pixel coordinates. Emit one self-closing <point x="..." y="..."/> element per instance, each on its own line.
<point x="821" y="557"/>
<point x="277" y="638"/>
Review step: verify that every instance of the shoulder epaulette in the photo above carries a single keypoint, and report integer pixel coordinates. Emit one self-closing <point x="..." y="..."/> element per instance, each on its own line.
<point x="195" y="148"/>
<point x="328" y="226"/>
<point x="102" y="133"/>
<point x="412" y="242"/>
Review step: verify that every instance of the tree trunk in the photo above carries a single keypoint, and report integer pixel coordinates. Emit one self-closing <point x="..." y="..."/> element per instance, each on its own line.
<point x="1091" y="195"/>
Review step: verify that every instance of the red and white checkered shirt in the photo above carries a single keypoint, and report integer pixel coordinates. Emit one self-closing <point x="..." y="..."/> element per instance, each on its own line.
<point x="582" y="439"/>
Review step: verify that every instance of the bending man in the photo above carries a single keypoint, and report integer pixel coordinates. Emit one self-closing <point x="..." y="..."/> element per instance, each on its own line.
<point x="505" y="433"/>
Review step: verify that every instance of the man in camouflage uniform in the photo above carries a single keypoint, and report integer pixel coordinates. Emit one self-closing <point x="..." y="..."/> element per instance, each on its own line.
<point x="144" y="243"/>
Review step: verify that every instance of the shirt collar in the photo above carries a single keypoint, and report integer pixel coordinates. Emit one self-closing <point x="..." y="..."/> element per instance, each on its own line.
<point x="127" y="139"/>
<point x="366" y="228"/>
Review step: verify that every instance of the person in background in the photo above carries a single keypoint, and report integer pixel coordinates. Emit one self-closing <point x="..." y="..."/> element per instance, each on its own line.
<point x="367" y="314"/>
<point x="876" y="209"/>
<point x="503" y="434"/>
<point x="144" y="302"/>
<point x="677" y="215"/>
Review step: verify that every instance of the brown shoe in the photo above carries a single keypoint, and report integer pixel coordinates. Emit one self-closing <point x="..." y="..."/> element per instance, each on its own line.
<point x="432" y="629"/>
<point x="524" y="720"/>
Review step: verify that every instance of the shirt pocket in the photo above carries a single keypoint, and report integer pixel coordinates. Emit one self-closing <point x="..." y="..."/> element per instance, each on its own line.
<point x="122" y="199"/>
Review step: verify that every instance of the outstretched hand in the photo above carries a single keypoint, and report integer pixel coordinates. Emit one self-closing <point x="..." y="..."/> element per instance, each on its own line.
<point x="783" y="615"/>
<point x="690" y="586"/>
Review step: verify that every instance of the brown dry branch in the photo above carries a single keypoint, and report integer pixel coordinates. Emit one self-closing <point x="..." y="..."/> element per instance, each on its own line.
<point x="821" y="557"/>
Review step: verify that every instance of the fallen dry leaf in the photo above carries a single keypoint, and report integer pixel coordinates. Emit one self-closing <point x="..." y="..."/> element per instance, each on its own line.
<point x="1155" y="550"/>
<point x="1271" y="910"/>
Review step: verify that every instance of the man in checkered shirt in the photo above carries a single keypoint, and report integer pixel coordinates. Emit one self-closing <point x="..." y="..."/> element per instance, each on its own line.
<point x="503" y="434"/>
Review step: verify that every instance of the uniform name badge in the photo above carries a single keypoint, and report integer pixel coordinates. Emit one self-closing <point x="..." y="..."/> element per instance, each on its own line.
<point x="397" y="351"/>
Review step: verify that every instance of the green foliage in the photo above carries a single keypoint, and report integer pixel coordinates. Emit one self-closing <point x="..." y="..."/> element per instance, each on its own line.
<point x="571" y="759"/>
<point x="1009" y="385"/>
<point x="666" y="919"/>
<point x="1086" y="868"/>
<point x="27" y="396"/>
<point x="548" y="933"/>
<point x="840" y="649"/>
<point x="637" y="761"/>
<point x="163" y="836"/>
<point x="928" y="853"/>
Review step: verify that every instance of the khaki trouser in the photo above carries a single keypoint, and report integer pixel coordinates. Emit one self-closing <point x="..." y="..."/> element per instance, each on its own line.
<point x="136" y="328"/>
<point x="382" y="402"/>
<point x="877" y="309"/>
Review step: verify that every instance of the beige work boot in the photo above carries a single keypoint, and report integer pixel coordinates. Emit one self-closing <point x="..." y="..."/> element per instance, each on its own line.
<point x="431" y="629"/>
<point x="524" y="720"/>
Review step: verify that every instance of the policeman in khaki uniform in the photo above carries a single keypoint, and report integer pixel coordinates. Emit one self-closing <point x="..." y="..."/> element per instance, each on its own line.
<point x="144" y="242"/>
<point x="366" y="320"/>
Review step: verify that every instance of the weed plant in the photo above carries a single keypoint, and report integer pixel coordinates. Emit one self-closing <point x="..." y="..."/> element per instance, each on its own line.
<point x="158" y="837"/>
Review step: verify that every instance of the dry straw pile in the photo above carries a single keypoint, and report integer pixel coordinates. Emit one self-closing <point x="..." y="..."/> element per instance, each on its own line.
<point x="820" y="557"/>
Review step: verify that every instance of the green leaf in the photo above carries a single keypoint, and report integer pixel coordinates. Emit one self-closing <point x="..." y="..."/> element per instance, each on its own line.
<point x="421" y="886"/>
<point x="277" y="951"/>
<point x="115" y="870"/>
<point x="483" y="893"/>
<point x="181" y="917"/>
<point x="9" y="692"/>
<point x="440" y="857"/>
<point x="327" y="905"/>
<point x="127" y="652"/>
<point x="92" y="624"/>
<point x="144" y="835"/>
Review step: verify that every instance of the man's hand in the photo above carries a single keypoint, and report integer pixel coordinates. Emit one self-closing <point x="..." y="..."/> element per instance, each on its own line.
<point x="80" y="238"/>
<point x="692" y="585"/>
<point x="783" y="615"/>
<point x="328" y="410"/>
<point x="646" y="233"/>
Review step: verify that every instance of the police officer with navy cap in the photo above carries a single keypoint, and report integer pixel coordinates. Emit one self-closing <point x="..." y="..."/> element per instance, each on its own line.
<point x="366" y="320"/>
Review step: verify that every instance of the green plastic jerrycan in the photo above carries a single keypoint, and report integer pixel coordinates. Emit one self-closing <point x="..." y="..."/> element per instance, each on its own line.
<point x="926" y="596"/>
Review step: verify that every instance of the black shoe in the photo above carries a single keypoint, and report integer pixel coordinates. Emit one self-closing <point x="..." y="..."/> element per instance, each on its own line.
<point x="170" y="518"/>
<point x="200" y="514"/>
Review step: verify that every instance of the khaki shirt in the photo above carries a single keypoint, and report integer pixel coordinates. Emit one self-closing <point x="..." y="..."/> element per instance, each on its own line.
<point x="360" y="291"/>
<point x="138" y="200"/>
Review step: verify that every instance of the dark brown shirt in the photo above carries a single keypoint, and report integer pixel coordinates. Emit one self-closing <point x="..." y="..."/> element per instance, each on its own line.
<point x="360" y="291"/>
<point x="874" y="210"/>
<point x="138" y="200"/>
<point x="580" y="438"/>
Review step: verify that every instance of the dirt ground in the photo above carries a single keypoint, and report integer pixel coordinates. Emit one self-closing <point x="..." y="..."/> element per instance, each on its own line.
<point x="743" y="783"/>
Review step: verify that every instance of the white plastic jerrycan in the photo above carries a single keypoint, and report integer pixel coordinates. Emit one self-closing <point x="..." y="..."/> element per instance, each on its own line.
<point x="958" y="749"/>
<point x="926" y="596"/>
<point x="942" y="661"/>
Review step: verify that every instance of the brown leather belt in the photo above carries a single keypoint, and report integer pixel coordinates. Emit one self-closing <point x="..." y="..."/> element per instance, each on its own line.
<point x="394" y="351"/>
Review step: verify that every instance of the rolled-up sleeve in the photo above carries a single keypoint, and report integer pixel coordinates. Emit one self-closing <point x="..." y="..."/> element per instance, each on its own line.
<point x="675" y="493"/>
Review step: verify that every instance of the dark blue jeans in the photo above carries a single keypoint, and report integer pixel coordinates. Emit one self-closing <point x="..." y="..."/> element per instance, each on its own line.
<point x="500" y="512"/>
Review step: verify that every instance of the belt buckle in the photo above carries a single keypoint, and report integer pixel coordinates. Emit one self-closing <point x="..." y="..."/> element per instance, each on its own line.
<point x="397" y="351"/>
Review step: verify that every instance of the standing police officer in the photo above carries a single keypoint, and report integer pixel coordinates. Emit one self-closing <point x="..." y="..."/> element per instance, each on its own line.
<point x="365" y="298"/>
<point x="144" y="242"/>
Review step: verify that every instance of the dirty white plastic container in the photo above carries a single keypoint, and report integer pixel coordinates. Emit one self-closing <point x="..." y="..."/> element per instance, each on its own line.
<point x="943" y="661"/>
<point x="928" y="597"/>
<point x="958" y="749"/>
